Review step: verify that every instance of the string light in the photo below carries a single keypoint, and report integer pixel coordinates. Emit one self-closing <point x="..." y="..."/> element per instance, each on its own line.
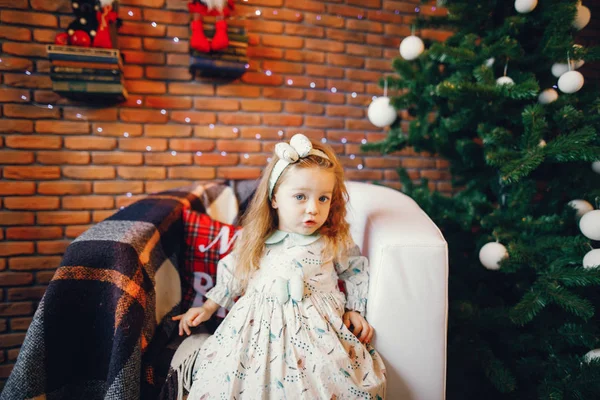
<point x="364" y="141"/>
<point x="187" y="119"/>
<point x="269" y="159"/>
<point x="173" y="153"/>
<point x="258" y="135"/>
<point x="100" y="129"/>
<point x="235" y="130"/>
<point x="344" y="140"/>
<point x="290" y="82"/>
<point x="246" y="156"/>
<point x="130" y="13"/>
<point x="318" y="17"/>
<point x="360" y="166"/>
<point x="223" y="153"/>
<point x="333" y="90"/>
<point x="163" y="111"/>
<point x="212" y="126"/>
<point x="50" y="106"/>
<point x="128" y="194"/>
<point x="176" y="39"/>
<point x="312" y="85"/>
<point x="27" y="73"/>
<point x="126" y="134"/>
<point x="354" y="95"/>
<point x="24" y="97"/>
<point x="280" y="133"/>
<point x="324" y="140"/>
<point x="153" y="24"/>
<point x="198" y="153"/>
<point x="148" y="148"/>
<point x="352" y="156"/>
<point x="139" y="101"/>
<point x="257" y="12"/>
<point x="268" y="73"/>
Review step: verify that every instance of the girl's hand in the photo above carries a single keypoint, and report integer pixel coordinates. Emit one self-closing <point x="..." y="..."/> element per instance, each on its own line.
<point x="360" y="325"/>
<point x="192" y="318"/>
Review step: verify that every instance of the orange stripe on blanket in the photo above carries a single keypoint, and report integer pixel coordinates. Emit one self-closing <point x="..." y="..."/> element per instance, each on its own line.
<point x="104" y="275"/>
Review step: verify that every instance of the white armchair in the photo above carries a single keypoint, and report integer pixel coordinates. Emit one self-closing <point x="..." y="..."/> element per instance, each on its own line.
<point x="408" y="296"/>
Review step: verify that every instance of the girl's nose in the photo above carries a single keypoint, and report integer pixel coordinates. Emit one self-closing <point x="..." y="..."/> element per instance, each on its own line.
<point x="311" y="207"/>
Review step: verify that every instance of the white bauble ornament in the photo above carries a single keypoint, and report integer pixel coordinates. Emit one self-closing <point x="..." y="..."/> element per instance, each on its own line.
<point x="596" y="167"/>
<point x="559" y="68"/>
<point x="592" y="259"/>
<point x="570" y="82"/>
<point x="381" y="113"/>
<point x="542" y="143"/>
<point x="411" y="47"/>
<point x="589" y="224"/>
<point x="491" y="254"/>
<point x="548" y="96"/>
<point x="591" y="355"/>
<point x="581" y="206"/>
<point x="504" y="80"/>
<point x="525" y="6"/>
<point x="582" y="17"/>
<point x="489" y="62"/>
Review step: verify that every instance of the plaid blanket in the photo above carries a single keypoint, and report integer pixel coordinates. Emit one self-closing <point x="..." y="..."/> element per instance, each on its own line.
<point x="102" y="328"/>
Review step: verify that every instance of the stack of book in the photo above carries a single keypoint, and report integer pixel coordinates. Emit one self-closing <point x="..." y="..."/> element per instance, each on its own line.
<point x="86" y="72"/>
<point x="230" y="62"/>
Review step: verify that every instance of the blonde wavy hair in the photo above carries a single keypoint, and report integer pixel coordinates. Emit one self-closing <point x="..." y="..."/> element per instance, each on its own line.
<point x="260" y="219"/>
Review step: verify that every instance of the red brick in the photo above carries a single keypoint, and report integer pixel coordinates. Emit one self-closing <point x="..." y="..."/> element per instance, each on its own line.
<point x="345" y="111"/>
<point x="16" y="126"/>
<point x="15" y="64"/>
<point x="16" y="218"/>
<point x="283" y="67"/>
<point x="31" y="173"/>
<point x="265" y="133"/>
<point x="342" y="35"/>
<point x="30" y="112"/>
<point x="34" y="233"/>
<point x="239" y="119"/>
<point x="20" y="324"/>
<point x="31" y="50"/>
<point x="304" y="56"/>
<point x="254" y="160"/>
<point x="15" y="248"/>
<point x="146" y="87"/>
<point x="141" y="172"/>
<point x="75" y="231"/>
<point x="191" y="173"/>
<point x="419" y="163"/>
<point x="323" y="122"/>
<point x="28" y="81"/>
<point x="346" y="11"/>
<point x="44" y="277"/>
<point x="28" y="18"/>
<point x="363" y="76"/>
<point x="3" y="327"/>
<point x="382" y="162"/>
<point x="101" y="215"/>
<point x="140" y="144"/>
<point x="12" y="354"/>
<point x="277" y="15"/>
<point x="34" y="263"/>
<point x="264" y="26"/>
<point x="89" y="172"/>
<point x="159" y="186"/>
<point x="279" y="41"/>
<point x="257" y="78"/>
<point x="87" y="202"/>
<point x="117" y="129"/>
<point x="213" y="104"/>
<point x="238" y="146"/>
<point x="194" y="88"/>
<point x="16" y="157"/>
<point x="169" y="73"/>
<point x="167" y="158"/>
<point x="264" y="52"/>
<point x="15" y="278"/>
<point x="365" y="26"/>
<point x="216" y="159"/>
<point x="325" y="97"/>
<point x="90" y="143"/>
<point x="165" y="17"/>
<point x="194" y="117"/>
<point x="31" y="203"/>
<point x="21" y="294"/>
<point x="331" y="21"/>
<point x="63" y="157"/>
<point x="123" y="201"/>
<point x="325" y="45"/>
<point x="118" y="187"/>
<point x="64" y="187"/>
<point x="298" y="107"/>
<point x="117" y="158"/>
<point x="192" y="145"/>
<point x="62" y="217"/>
<point x="14" y="95"/>
<point x="11" y="339"/>
<point x="10" y="309"/>
<point x="239" y="173"/>
<point x="141" y="29"/>
<point x="283" y="120"/>
<point x="52" y="6"/>
<point x="129" y="43"/>
<point x="364" y="175"/>
<point x="283" y="93"/>
<point x="91" y="114"/>
<point x="182" y="60"/>
<point x="261" y="105"/>
<point x="15" y="33"/>
<point x="383" y="16"/>
<point x="142" y="116"/>
<point x="329" y="72"/>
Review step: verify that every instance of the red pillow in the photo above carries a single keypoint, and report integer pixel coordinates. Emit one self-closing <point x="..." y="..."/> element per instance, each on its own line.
<point x="206" y="242"/>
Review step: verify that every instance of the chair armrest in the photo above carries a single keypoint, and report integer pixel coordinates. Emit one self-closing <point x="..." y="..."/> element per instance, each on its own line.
<point x="407" y="303"/>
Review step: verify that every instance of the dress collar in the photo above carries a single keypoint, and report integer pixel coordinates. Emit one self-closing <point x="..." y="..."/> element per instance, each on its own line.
<point x="297" y="238"/>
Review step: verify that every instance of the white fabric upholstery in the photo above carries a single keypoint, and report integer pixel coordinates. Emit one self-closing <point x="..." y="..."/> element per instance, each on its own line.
<point x="407" y="304"/>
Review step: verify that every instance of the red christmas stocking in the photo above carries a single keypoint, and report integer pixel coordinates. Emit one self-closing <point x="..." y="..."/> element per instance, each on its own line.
<point x="198" y="41"/>
<point x="220" y="41"/>
<point x="105" y="17"/>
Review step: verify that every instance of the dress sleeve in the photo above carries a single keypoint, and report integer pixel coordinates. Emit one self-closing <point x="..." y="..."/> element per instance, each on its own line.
<point x="228" y="286"/>
<point x="353" y="269"/>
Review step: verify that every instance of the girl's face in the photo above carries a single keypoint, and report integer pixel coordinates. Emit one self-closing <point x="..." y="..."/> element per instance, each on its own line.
<point x="303" y="199"/>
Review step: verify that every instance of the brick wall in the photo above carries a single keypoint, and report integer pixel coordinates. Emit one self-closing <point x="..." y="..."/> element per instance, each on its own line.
<point x="66" y="165"/>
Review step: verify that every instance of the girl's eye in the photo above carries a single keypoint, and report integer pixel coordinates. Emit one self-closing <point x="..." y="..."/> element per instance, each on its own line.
<point x="323" y="199"/>
<point x="299" y="197"/>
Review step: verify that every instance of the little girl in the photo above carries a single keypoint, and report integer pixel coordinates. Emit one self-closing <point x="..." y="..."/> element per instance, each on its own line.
<point x="288" y="336"/>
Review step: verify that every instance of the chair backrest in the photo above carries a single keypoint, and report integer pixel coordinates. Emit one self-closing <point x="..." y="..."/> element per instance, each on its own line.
<point x="408" y="299"/>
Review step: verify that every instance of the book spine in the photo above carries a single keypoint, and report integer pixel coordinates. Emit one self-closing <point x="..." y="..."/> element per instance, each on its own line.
<point x="202" y="63"/>
<point x="89" y="87"/>
<point x="85" y="77"/>
<point x="92" y="51"/>
<point x="83" y="58"/>
<point x="79" y="64"/>
<point x="91" y="71"/>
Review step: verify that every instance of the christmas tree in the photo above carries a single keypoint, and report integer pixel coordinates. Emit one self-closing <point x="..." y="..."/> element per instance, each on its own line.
<point x="502" y="101"/>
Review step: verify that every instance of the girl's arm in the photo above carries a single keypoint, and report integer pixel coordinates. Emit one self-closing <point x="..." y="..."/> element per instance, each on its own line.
<point x="353" y="269"/>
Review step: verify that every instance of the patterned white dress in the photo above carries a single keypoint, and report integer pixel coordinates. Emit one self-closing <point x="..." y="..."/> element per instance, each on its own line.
<point x="284" y="338"/>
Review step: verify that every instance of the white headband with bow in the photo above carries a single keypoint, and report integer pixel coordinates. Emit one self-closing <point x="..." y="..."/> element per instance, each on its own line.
<point x="289" y="153"/>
